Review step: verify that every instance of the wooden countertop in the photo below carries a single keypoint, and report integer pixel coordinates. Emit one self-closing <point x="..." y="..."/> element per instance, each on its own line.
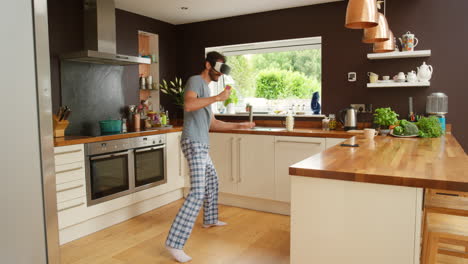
<point x="299" y="132"/>
<point x="438" y="163"/>
<point x="72" y="140"/>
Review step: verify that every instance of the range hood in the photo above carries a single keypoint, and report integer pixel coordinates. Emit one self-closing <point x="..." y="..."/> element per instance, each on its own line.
<point x="99" y="37"/>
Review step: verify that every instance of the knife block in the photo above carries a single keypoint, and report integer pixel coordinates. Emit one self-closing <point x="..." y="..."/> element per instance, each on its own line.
<point x="59" y="126"/>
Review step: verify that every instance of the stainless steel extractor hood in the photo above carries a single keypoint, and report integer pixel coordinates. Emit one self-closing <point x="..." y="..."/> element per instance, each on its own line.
<point x="100" y="40"/>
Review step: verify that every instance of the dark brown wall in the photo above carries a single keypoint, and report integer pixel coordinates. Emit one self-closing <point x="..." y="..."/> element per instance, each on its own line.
<point x="439" y="25"/>
<point x="128" y="25"/>
<point x="66" y="35"/>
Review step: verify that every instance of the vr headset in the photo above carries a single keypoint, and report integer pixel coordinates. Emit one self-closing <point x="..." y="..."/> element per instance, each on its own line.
<point x="220" y="67"/>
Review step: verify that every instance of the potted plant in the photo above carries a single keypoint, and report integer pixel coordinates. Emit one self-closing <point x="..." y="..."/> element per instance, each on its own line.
<point x="385" y="118"/>
<point x="174" y="89"/>
<point x="231" y="101"/>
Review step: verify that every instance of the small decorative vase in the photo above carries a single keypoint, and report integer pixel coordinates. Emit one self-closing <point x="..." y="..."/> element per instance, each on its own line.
<point x="314" y="104"/>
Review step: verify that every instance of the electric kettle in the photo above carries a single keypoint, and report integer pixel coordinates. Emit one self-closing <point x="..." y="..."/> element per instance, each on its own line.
<point x="348" y="117"/>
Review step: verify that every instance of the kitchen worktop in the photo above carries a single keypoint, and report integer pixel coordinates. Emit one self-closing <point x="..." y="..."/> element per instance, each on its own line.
<point x="438" y="163"/>
<point x="72" y="140"/>
<point x="299" y="132"/>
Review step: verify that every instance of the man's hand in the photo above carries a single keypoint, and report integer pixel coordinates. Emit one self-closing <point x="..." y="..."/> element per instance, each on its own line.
<point x="246" y="125"/>
<point x="224" y="95"/>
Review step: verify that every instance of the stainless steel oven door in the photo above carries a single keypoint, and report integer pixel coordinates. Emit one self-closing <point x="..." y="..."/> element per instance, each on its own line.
<point x="150" y="166"/>
<point x="109" y="176"/>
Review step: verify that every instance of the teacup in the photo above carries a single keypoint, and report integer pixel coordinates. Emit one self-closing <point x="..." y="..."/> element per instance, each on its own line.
<point x="370" y="133"/>
<point x="372" y="77"/>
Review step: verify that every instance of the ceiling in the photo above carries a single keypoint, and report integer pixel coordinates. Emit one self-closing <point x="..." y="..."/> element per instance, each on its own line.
<point x="201" y="10"/>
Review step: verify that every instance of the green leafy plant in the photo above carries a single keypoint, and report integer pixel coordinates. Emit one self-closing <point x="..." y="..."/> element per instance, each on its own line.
<point x="282" y="84"/>
<point x="406" y="128"/>
<point x="233" y="99"/>
<point x="429" y="127"/>
<point x="175" y="90"/>
<point x="385" y="117"/>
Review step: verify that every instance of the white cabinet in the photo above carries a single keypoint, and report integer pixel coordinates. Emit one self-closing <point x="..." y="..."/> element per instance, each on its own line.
<point x="70" y="183"/>
<point x="222" y="154"/>
<point x="288" y="151"/>
<point x="330" y="142"/>
<point x="244" y="164"/>
<point x="175" y="161"/>
<point x="350" y="222"/>
<point x="255" y="174"/>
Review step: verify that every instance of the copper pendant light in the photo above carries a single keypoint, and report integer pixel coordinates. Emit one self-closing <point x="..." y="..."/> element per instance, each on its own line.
<point x="361" y="14"/>
<point x="386" y="46"/>
<point x="379" y="33"/>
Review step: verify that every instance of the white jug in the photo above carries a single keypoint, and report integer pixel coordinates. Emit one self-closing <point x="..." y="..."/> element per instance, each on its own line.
<point x="424" y="72"/>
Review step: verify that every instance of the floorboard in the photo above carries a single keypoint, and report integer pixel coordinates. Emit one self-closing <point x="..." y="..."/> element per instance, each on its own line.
<point x="250" y="237"/>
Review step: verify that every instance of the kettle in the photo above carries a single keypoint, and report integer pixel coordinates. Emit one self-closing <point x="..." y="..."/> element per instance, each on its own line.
<point x="348" y="117"/>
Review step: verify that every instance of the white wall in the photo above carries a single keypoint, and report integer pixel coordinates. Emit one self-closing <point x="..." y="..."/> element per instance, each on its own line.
<point x="22" y="215"/>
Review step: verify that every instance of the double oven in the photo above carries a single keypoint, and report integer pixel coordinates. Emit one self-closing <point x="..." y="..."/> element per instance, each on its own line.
<point x="119" y="167"/>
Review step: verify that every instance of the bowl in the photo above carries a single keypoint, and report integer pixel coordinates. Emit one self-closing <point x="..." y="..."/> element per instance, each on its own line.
<point x="110" y="126"/>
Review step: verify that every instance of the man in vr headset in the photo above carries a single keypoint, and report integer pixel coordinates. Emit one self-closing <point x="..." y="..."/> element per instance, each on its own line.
<point x="198" y="120"/>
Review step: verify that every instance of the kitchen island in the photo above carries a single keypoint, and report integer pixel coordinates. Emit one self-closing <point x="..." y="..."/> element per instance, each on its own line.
<point x="364" y="204"/>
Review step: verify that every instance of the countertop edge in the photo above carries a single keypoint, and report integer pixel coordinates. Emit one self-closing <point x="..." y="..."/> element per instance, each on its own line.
<point x="295" y="133"/>
<point x="380" y="179"/>
<point x="60" y="142"/>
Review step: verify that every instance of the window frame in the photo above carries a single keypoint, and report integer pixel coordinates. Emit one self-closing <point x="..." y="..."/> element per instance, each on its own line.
<point x="264" y="47"/>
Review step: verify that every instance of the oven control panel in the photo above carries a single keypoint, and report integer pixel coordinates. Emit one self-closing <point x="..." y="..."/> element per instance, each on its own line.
<point x="124" y="144"/>
<point x="150" y="141"/>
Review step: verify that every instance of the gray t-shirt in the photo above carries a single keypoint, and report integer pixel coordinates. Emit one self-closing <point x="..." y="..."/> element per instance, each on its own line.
<point x="197" y="123"/>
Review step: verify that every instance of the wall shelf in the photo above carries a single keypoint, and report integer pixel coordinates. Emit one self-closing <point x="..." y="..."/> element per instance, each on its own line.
<point x="399" y="55"/>
<point x="398" y="84"/>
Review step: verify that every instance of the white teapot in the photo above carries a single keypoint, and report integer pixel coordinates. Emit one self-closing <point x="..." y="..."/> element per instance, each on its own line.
<point x="424" y="72"/>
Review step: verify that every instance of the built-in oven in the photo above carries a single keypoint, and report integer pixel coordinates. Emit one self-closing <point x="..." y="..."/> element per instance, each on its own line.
<point x="119" y="167"/>
<point x="150" y="162"/>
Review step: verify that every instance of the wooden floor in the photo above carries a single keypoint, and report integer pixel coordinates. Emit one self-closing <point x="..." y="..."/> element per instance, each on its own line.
<point x="249" y="237"/>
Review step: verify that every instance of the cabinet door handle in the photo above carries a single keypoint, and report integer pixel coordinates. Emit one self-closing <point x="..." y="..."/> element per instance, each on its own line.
<point x="70" y="207"/>
<point x="180" y="157"/>
<point x="70" y="188"/>
<point x="299" y="142"/>
<point x="231" y="161"/>
<point x="239" y="180"/>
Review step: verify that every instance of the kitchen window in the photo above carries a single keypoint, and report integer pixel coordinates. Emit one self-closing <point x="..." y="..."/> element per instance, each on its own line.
<point x="274" y="76"/>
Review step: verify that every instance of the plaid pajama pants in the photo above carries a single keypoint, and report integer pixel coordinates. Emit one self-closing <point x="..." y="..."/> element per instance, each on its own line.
<point x="203" y="191"/>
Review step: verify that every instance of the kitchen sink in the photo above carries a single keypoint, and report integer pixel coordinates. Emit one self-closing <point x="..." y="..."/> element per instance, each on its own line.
<point x="270" y="129"/>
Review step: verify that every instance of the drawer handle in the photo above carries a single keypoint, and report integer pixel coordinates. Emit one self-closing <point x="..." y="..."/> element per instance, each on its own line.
<point x="448" y="194"/>
<point x="70" y="188"/>
<point x="68" y="170"/>
<point x="239" y="155"/>
<point x="68" y="152"/>
<point x="70" y="207"/>
<point x="180" y="156"/>
<point x="232" y="156"/>
<point x="299" y="142"/>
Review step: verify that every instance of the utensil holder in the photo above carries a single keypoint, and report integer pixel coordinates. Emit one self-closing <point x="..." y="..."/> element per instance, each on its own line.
<point x="59" y="126"/>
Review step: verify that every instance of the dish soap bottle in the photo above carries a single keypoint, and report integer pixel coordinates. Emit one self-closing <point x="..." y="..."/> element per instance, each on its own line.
<point x="289" y="122"/>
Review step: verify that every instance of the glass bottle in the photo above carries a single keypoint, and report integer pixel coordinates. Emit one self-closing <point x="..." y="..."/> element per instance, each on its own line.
<point x="325" y="124"/>
<point x="332" y="123"/>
